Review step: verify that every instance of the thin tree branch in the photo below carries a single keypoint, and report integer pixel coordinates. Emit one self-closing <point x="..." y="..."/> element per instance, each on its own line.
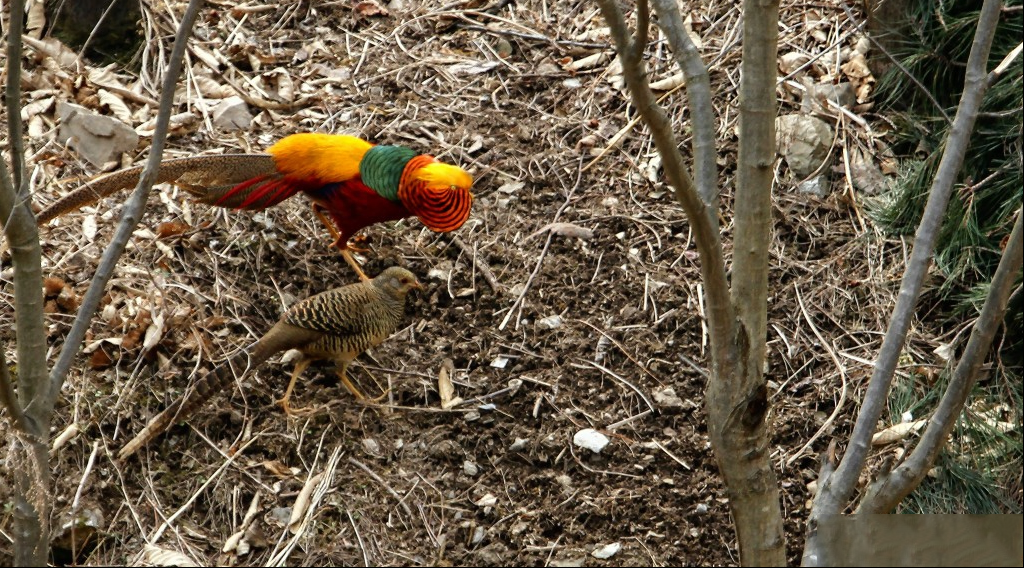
<point x="20" y="227"/>
<point x="834" y="494"/>
<point x="133" y="210"/>
<point x="9" y="400"/>
<point x="702" y="114"/>
<point x="708" y="239"/>
<point x="887" y="492"/>
<point x="32" y="500"/>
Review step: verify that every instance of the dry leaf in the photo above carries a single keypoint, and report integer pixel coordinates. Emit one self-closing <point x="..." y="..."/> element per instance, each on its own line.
<point x="100" y="360"/>
<point x="154" y="332"/>
<point x="162" y="557"/>
<point x="688" y="26"/>
<point x="445" y="387"/>
<point x="472" y="67"/>
<point x="54" y="49"/>
<point x="37" y="107"/>
<point x="106" y="77"/>
<point x="36" y="20"/>
<point x="669" y="83"/>
<point x="592" y="60"/>
<point x="302" y="503"/>
<point x="897" y="432"/>
<point x="564" y="230"/>
<point x="279" y="469"/>
<point x="169" y="229"/>
<point x="369" y="8"/>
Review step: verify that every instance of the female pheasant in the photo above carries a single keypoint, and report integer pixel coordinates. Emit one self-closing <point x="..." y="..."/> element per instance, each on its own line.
<point x="350" y="180"/>
<point x="336" y="325"/>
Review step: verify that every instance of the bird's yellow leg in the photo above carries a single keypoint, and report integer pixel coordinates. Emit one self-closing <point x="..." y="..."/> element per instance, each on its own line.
<point x="283" y="401"/>
<point x="355" y="265"/>
<point x="352" y="387"/>
<point x="343" y="247"/>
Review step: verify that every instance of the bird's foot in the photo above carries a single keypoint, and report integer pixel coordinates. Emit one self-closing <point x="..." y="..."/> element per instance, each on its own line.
<point x="360" y="244"/>
<point x="301" y="412"/>
<point x="350" y="387"/>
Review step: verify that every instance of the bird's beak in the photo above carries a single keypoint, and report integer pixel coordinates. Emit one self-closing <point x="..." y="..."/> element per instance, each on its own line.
<point x="416" y="284"/>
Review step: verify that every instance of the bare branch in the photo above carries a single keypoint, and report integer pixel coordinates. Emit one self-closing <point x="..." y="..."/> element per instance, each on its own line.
<point x="835" y="493"/>
<point x="9" y="400"/>
<point x="133" y="210"/>
<point x="887" y="492"/>
<point x="708" y="239"/>
<point x="702" y="114"/>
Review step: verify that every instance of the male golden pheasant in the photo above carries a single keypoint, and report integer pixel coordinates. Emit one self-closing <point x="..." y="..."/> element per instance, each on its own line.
<point x="336" y="325"/>
<point x="354" y="182"/>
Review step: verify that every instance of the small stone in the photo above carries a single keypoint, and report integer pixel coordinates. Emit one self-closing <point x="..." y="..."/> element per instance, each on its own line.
<point x="668" y="398"/>
<point x="804" y="142"/>
<point x="519" y="444"/>
<point x="550" y="322"/>
<point x="590" y="439"/>
<point x="817" y="185"/>
<point x="487" y="500"/>
<point x="470" y="468"/>
<point x="606" y="551"/>
<point x="701" y="509"/>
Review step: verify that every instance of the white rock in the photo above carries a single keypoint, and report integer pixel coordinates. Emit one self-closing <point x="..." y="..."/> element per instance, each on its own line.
<point x="590" y="439"/>
<point x="487" y="501"/>
<point x="551" y="322"/>
<point x="606" y="551"/>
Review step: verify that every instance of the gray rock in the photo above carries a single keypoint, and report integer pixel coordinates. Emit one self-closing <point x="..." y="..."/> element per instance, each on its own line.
<point x="803" y="141"/>
<point x="97" y="138"/>
<point x="232" y="113"/>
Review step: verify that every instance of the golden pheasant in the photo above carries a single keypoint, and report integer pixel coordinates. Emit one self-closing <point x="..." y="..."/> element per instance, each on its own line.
<point x="335" y="325"/>
<point x="350" y="180"/>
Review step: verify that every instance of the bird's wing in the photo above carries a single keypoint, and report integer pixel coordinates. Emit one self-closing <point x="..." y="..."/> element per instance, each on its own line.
<point x="341" y="311"/>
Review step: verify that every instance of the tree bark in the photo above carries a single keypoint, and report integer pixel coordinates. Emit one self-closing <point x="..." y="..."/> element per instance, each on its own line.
<point x="737" y="400"/>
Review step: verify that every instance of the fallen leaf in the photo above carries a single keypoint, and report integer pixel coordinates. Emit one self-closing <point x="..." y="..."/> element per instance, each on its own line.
<point x="170" y="229"/>
<point x="162" y="557"/>
<point x="896" y="432"/>
<point x="669" y="83"/>
<point x="564" y="230"/>
<point x="369" y="8"/>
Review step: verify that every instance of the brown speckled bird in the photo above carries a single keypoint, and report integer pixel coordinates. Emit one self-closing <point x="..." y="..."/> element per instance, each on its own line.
<point x="335" y="325"/>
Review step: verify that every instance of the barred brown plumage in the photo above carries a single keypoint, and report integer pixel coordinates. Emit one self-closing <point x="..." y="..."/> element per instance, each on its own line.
<point x="335" y="325"/>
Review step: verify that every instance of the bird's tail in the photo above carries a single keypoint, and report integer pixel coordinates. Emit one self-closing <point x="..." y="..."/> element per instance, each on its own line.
<point x="186" y="404"/>
<point x="207" y="178"/>
<point x="281" y="337"/>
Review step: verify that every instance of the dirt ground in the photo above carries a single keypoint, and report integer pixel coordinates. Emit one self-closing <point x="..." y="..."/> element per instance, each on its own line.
<point x="596" y="324"/>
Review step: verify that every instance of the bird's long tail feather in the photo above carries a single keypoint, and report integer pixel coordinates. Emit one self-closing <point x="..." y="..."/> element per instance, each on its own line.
<point x="199" y="175"/>
<point x="281" y="337"/>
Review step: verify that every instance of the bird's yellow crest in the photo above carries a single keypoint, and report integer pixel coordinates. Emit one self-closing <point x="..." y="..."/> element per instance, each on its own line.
<point x="439" y="174"/>
<point x="319" y="157"/>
